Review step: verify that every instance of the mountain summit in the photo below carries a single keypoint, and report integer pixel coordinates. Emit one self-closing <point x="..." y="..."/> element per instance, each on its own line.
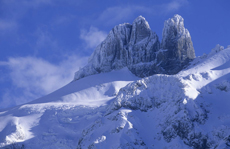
<point x="177" y="41"/>
<point x="135" y="46"/>
<point x="118" y="109"/>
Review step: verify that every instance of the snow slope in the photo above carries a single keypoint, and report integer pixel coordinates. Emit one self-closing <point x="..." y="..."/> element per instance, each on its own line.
<point x="57" y="120"/>
<point x="119" y="110"/>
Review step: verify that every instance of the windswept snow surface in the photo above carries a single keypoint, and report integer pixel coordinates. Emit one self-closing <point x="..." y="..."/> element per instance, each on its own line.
<point x="57" y="120"/>
<point x="118" y="110"/>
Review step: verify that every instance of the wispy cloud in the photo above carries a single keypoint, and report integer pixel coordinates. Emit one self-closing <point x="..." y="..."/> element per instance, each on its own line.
<point x="116" y="14"/>
<point x="37" y="3"/>
<point x="14" y="10"/>
<point x="27" y="3"/>
<point x="113" y="15"/>
<point x="44" y="39"/>
<point x="92" y="37"/>
<point x="173" y="5"/>
<point x="5" y="25"/>
<point x="33" y="77"/>
<point x="63" y="20"/>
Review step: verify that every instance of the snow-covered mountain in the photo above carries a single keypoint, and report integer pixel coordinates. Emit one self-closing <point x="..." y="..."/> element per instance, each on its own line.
<point x="131" y="95"/>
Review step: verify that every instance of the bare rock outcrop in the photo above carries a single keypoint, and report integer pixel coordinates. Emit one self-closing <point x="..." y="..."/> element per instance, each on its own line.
<point x="135" y="46"/>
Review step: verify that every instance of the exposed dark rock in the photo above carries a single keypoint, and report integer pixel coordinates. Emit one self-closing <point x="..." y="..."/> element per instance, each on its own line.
<point x="138" y="48"/>
<point x="177" y="45"/>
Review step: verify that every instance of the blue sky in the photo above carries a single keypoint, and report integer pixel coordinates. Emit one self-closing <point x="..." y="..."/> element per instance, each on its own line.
<point x="43" y="42"/>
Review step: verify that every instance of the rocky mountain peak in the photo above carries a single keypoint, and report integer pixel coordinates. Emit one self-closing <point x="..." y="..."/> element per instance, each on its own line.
<point x="176" y="40"/>
<point x="177" y="21"/>
<point x="173" y="28"/>
<point x="140" y="20"/>
<point x="137" y="47"/>
<point x="140" y="30"/>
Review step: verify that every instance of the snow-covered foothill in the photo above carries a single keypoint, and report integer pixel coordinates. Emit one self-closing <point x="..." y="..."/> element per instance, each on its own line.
<point x="57" y="120"/>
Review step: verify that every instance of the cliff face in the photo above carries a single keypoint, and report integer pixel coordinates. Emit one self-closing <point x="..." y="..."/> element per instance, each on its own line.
<point x="178" y="45"/>
<point x="138" y="48"/>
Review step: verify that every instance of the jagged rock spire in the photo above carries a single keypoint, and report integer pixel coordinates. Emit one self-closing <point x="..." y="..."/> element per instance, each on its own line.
<point x="135" y="46"/>
<point x="177" y="38"/>
<point x="177" y="41"/>
<point x="140" y="30"/>
<point x="125" y="46"/>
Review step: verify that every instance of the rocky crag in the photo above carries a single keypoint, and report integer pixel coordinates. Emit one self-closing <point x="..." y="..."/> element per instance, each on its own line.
<point x="137" y="47"/>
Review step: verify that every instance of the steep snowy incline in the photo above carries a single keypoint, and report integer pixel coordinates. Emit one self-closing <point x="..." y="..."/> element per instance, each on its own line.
<point x="207" y="68"/>
<point x="57" y="120"/>
<point x="113" y="81"/>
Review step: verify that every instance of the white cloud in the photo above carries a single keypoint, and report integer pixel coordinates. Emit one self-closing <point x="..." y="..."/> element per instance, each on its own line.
<point x="93" y="37"/>
<point x="174" y="5"/>
<point x="34" y="77"/>
<point x="118" y="14"/>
